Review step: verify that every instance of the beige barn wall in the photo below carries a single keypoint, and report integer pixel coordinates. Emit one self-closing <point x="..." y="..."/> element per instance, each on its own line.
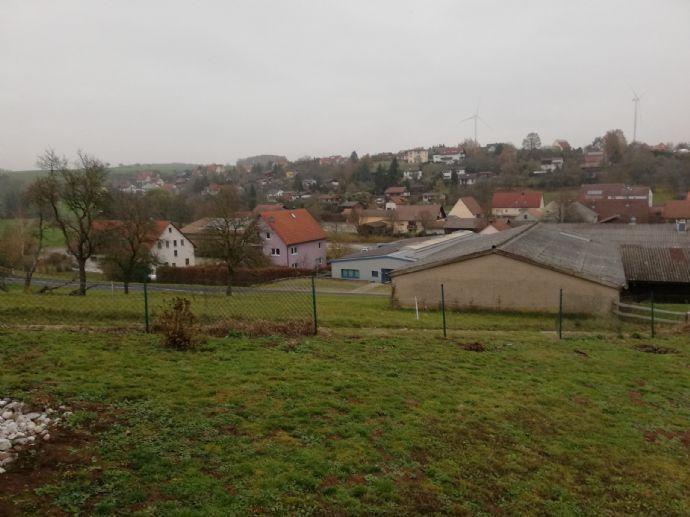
<point x="500" y="283"/>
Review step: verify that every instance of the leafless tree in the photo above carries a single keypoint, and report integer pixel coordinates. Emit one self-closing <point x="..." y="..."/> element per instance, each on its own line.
<point x="74" y="197"/>
<point x="126" y="243"/>
<point x="233" y="235"/>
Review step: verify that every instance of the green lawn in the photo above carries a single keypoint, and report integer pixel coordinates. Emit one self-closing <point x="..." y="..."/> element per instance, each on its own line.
<point x="106" y="308"/>
<point x="352" y="422"/>
<point x="53" y="238"/>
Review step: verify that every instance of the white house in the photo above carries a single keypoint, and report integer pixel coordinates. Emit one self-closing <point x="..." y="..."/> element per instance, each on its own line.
<point x="168" y="245"/>
<point x="172" y="247"/>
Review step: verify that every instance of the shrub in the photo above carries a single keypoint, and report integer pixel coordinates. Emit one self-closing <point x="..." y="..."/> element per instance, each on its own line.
<point x="216" y="274"/>
<point x="178" y="325"/>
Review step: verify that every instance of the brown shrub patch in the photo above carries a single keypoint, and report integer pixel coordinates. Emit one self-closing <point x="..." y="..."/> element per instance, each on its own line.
<point x="655" y="349"/>
<point x="472" y="347"/>
<point x="257" y="328"/>
<point x="682" y="436"/>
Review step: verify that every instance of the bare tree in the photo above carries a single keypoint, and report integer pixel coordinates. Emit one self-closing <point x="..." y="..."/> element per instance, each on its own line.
<point x="233" y="236"/>
<point x="74" y="197"/>
<point x="532" y="142"/>
<point x="127" y="242"/>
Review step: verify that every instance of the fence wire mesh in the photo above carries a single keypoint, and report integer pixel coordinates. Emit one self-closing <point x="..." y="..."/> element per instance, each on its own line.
<point x="302" y="302"/>
<point x="52" y="302"/>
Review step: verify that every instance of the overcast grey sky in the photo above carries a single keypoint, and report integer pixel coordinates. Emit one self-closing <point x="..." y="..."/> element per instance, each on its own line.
<point x="213" y="81"/>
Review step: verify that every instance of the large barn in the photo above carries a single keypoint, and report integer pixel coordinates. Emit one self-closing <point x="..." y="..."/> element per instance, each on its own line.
<point x="524" y="268"/>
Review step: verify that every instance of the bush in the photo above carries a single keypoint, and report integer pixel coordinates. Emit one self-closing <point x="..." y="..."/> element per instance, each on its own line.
<point x="178" y="325"/>
<point x="216" y="274"/>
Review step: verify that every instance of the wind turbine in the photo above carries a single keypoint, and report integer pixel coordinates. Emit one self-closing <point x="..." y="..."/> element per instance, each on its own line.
<point x="475" y="118"/>
<point x="636" y="100"/>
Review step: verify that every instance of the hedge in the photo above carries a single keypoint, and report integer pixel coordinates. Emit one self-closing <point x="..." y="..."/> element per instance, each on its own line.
<point x="217" y="274"/>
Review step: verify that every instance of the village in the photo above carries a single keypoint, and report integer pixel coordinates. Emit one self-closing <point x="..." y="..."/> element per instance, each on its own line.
<point x="321" y="258"/>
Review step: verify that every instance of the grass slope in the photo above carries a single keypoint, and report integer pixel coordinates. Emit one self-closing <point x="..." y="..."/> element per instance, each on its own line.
<point x="364" y="422"/>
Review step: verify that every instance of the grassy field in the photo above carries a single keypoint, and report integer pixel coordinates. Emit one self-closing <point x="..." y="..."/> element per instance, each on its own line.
<point x="53" y="237"/>
<point x="106" y="308"/>
<point x="352" y="422"/>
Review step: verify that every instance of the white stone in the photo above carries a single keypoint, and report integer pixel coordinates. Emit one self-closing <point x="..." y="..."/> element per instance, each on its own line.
<point x="5" y="444"/>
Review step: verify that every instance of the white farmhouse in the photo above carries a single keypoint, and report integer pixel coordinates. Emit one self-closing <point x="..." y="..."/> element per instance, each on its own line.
<point x="172" y="247"/>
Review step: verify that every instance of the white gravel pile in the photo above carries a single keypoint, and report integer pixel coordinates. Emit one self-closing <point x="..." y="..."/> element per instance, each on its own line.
<point x="21" y="428"/>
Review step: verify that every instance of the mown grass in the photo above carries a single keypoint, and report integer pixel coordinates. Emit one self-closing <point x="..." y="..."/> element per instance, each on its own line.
<point x="353" y="422"/>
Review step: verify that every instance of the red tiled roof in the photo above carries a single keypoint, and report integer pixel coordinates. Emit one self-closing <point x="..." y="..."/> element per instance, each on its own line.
<point x="395" y="190"/>
<point x="525" y="199"/>
<point x="293" y="226"/>
<point x="472" y="205"/>
<point x="677" y="209"/>
<point x="108" y="225"/>
<point x="619" y="210"/>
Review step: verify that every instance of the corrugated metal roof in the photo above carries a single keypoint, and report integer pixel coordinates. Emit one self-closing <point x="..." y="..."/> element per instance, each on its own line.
<point x="648" y="264"/>
<point x="543" y="244"/>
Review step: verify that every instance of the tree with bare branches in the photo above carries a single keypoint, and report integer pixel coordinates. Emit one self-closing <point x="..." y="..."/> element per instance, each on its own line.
<point x="233" y="235"/>
<point x="126" y="242"/>
<point x="75" y="198"/>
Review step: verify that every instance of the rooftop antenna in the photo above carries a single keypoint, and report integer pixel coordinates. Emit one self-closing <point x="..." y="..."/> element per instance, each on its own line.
<point x="636" y="101"/>
<point x="475" y="118"/>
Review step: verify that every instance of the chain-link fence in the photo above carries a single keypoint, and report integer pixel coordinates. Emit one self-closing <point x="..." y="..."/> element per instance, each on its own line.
<point x="300" y="305"/>
<point x="289" y="302"/>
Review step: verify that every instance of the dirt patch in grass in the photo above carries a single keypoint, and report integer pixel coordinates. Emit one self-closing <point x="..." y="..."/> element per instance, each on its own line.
<point x="649" y="348"/>
<point x="68" y="451"/>
<point x="682" y="436"/>
<point x="473" y="347"/>
<point x="636" y="398"/>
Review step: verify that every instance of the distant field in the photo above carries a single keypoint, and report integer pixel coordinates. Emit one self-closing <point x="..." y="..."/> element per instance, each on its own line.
<point x="53" y="236"/>
<point x="163" y="168"/>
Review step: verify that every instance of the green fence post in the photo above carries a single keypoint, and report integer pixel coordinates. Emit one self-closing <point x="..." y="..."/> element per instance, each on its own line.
<point x="560" y="314"/>
<point x="652" y="318"/>
<point x="313" y="303"/>
<point x="146" y="306"/>
<point x="443" y="310"/>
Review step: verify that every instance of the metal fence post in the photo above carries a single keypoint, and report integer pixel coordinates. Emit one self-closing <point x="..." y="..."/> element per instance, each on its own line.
<point x="146" y="306"/>
<point x="443" y="311"/>
<point x="313" y="303"/>
<point x="652" y="318"/>
<point x="560" y="314"/>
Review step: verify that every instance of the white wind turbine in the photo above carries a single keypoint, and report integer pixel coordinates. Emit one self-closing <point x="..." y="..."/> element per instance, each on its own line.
<point x="475" y="118"/>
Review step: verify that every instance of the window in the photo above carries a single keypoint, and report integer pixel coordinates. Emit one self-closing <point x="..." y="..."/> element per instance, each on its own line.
<point x="181" y="242"/>
<point x="169" y="229"/>
<point x="319" y="244"/>
<point x="160" y="245"/>
<point x="349" y="273"/>
<point x="293" y="250"/>
<point x="319" y="260"/>
<point x="167" y="244"/>
<point x="275" y="252"/>
<point x="268" y="235"/>
<point x="174" y="265"/>
<point x="294" y="265"/>
<point x="175" y="243"/>
<point x="374" y="274"/>
<point x="176" y="253"/>
<point x="186" y="262"/>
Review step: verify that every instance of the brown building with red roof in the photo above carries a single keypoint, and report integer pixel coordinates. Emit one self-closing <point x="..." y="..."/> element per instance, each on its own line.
<point x="515" y="204"/>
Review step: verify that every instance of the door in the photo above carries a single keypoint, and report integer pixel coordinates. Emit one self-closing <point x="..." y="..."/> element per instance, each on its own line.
<point x="385" y="275"/>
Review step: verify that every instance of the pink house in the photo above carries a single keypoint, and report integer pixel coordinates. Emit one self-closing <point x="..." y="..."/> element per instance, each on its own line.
<point x="293" y="238"/>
